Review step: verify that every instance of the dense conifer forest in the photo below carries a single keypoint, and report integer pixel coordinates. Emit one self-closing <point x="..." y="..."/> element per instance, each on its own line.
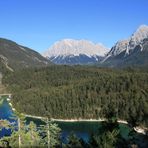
<point x="67" y="92"/>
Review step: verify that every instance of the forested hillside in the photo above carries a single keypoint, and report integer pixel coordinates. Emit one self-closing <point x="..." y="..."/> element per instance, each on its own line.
<point x="14" y="56"/>
<point x="80" y="92"/>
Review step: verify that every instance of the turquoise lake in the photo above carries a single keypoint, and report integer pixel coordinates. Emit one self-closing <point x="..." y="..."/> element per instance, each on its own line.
<point x="6" y="113"/>
<point x="82" y="129"/>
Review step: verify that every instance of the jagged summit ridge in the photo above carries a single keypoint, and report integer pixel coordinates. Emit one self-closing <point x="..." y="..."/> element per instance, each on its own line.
<point x="129" y="44"/>
<point x="75" y="47"/>
<point x="70" y="51"/>
<point x="119" y="47"/>
<point x="140" y="34"/>
<point x="130" y="52"/>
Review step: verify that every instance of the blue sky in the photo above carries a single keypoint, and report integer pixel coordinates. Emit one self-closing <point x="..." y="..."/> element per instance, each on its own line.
<point x="39" y="23"/>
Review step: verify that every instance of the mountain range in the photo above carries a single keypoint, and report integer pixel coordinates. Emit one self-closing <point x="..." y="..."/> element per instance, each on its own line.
<point x="69" y="51"/>
<point x="128" y="52"/>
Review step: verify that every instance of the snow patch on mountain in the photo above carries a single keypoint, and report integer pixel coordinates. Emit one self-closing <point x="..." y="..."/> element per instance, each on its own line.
<point x="68" y="47"/>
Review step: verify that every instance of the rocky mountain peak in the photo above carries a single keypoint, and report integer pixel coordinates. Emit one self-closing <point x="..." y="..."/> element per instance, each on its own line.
<point x="119" y="47"/>
<point x="140" y="34"/>
<point x="128" y="45"/>
<point x="70" y="51"/>
<point x="75" y="47"/>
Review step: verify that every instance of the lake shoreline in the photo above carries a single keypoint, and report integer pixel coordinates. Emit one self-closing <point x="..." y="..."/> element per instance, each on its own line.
<point x="137" y="129"/>
<point x="74" y="120"/>
<point x="86" y="120"/>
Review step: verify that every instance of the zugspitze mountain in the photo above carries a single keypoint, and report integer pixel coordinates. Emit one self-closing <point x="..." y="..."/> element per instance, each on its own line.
<point x="69" y="51"/>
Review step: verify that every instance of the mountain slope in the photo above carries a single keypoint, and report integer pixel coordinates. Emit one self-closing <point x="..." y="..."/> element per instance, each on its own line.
<point x="69" y="51"/>
<point x="132" y="51"/>
<point x="138" y="57"/>
<point x="14" y="56"/>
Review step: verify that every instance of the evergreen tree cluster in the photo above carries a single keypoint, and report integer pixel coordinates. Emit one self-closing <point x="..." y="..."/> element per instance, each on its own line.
<point x="68" y="92"/>
<point x="29" y="135"/>
<point x="107" y="136"/>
